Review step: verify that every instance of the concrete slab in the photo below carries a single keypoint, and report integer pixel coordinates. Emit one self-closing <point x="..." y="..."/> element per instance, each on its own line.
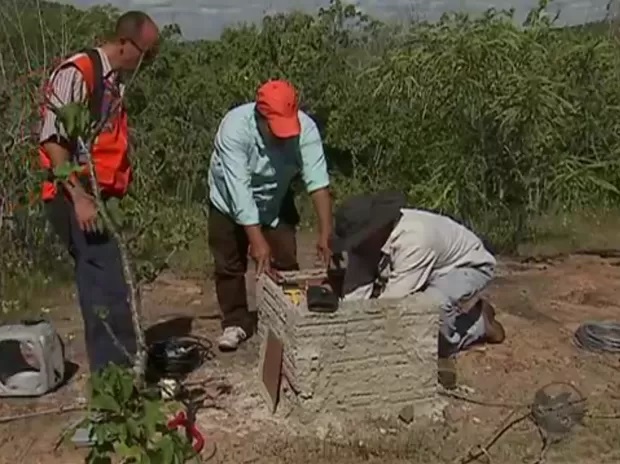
<point x="371" y="357"/>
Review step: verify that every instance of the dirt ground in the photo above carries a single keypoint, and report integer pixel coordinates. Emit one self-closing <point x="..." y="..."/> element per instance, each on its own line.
<point x="540" y="305"/>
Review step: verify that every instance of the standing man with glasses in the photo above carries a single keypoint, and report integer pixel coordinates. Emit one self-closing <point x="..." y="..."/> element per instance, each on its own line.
<point x="93" y="77"/>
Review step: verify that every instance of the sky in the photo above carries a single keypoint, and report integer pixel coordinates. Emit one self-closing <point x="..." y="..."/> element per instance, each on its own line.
<point x="206" y="18"/>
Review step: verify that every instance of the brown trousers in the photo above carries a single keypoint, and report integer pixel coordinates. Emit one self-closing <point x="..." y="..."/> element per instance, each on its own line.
<point x="229" y="246"/>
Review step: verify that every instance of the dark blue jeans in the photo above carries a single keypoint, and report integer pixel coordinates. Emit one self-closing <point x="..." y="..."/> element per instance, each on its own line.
<point x="102" y="290"/>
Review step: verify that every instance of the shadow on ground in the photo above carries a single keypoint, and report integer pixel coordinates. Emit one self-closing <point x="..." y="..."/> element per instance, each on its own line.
<point x="172" y="328"/>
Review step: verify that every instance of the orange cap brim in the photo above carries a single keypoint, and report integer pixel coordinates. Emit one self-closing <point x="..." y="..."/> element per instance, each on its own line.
<point x="284" y="128"/>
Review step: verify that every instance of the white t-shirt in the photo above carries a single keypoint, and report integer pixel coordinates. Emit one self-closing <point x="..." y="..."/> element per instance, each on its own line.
<point x="423" y="245"/>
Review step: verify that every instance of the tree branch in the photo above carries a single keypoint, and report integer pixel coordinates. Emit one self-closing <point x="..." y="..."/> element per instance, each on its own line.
<point x="139" y="363"/>
<point x="139" y="360"/>
<point x="45" y="412"/>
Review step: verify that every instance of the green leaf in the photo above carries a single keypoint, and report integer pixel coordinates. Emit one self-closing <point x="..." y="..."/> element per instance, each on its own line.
<point x="128" y="452"/>
<point x="146" y="459"/>
<point x="75" y="119"/>
<point x="116" y="213"/>
<point x="63" y="172"/>
<point x="105" y="402"/>
<point x="604" y="185"/>
<point x="165" y="450"/>
<point x="126" y="388"/>
<point x="153" y="415"/>
<point x="106" y="433"/>
<point x="101" y="453"/>
<point x="133" y="427"/>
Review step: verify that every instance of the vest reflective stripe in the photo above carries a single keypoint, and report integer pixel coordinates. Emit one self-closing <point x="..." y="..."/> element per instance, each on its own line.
<point x="110" y="149"/>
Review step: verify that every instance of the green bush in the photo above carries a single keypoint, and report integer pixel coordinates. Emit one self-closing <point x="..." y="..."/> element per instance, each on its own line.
<point x="492" y="123"/>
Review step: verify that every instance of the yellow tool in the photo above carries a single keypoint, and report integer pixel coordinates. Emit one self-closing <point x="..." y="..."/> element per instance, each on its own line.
<point x="294" y="295"/>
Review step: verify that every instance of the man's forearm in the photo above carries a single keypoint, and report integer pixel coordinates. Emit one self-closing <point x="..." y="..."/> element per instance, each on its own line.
<point x="245" y="214"/>
<point x="323" y="206"/>
<point x="254" y="233"/>
<point x="60" y="155"/>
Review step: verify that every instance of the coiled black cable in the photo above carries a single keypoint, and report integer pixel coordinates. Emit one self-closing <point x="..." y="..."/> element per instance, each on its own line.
<point x="603" y="336"/>
<point x="176" y="357"/>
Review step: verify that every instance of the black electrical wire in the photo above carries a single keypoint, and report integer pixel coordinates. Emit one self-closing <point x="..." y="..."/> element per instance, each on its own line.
<point x="603" y="336"/>
<point x="176" y="357"/>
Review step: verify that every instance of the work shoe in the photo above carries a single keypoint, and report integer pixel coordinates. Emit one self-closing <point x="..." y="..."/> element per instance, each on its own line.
<point x="231" y="338"/>
<point x="495" y="333"/>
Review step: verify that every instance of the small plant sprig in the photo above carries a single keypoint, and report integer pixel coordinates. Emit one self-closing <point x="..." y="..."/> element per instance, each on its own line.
<point x="130" y="423"/>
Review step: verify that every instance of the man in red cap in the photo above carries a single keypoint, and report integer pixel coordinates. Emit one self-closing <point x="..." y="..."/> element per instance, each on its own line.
<point x="260" y="147"/>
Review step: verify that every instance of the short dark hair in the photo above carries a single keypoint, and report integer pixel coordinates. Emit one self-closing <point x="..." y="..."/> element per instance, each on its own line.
<point x="130" y="25"/>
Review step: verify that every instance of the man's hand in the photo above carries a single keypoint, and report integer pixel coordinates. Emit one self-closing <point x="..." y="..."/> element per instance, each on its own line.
<point x="260" y="251"/>
<point x="84" y="204"/>
<point x="85" y="212"/>
<point x="323" y="206"/>
<point x="323" y="251"/>
<point x="261" y="254"/>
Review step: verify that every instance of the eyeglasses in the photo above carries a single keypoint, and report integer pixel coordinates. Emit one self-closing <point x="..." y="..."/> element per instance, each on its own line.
<point x="147" y="54"/>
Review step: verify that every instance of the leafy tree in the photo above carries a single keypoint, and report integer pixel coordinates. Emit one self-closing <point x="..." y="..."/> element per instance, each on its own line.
<point x="490" y="122"/>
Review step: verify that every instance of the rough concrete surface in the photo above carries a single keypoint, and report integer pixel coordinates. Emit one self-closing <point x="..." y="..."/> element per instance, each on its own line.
<point x="369" y="358"/>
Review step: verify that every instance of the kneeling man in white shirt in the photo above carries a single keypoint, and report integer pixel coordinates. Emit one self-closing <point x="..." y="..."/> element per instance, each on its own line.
<point x="392" y="251"/>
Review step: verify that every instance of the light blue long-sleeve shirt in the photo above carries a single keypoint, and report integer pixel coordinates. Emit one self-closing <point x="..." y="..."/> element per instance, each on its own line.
<point x="248" y="180"/>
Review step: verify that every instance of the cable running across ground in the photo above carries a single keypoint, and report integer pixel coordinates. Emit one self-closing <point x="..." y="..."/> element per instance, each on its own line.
<point x="598" y="336"/>
<point x="555" y="410"/>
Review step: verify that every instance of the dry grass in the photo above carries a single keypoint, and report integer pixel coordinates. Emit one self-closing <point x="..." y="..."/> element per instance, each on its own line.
<point x="568" y="232"/>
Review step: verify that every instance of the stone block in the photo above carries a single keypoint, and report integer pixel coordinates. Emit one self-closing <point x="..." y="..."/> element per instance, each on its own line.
<point x="373" y="357"/>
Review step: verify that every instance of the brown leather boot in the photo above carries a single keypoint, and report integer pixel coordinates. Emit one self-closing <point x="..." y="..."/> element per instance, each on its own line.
<point x="495" y="332"/>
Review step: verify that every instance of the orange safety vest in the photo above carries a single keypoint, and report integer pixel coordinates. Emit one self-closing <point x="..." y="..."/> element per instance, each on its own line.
<point x="110" y="149"/>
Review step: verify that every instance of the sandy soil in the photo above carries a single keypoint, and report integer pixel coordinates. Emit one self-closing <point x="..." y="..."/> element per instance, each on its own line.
<point x="540" y="305"/>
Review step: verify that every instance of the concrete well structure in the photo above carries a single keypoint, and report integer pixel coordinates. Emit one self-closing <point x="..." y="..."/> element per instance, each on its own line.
<point x="370" y="357"/>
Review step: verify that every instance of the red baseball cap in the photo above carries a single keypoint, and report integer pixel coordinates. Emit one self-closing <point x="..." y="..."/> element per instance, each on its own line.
<point x="277" y="101"/>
